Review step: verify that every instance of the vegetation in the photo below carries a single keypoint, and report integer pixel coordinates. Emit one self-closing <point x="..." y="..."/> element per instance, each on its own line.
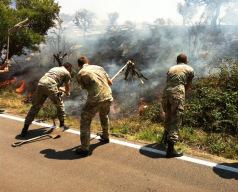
<point x="41" y="15"/>
<point x="84" y="20"/>
<point x="210" y="119"/>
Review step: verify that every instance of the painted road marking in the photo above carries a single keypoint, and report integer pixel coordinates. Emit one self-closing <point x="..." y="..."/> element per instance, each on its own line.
<point x="136" y="146"/>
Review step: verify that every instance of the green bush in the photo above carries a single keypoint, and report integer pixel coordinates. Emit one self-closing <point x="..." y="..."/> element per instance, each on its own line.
<point x="222" y="145"/>
<point x="213" y="103"/>
<point x="153" y="113"/>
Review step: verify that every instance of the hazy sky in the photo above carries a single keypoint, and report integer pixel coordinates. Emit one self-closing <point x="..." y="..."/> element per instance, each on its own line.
<point x="133" y="10"/>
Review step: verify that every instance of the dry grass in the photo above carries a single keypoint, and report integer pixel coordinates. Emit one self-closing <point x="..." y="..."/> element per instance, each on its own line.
<point x="133" y="128"/>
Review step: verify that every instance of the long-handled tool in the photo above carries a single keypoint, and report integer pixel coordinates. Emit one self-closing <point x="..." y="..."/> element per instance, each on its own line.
<point x="19" y="143"/>
<point x="130" y="70"/>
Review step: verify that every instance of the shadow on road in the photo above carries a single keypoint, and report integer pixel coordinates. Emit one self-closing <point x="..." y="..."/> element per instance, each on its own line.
<point x="154" y="150"/>
<point x="227" y="174"/>
<point x="35" y="132"/>
<point x="68" y="154"/>
<point x="34" y="136"/>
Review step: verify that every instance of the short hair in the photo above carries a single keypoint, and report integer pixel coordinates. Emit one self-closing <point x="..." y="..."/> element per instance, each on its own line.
<point x="182" y="58"/>
<point x="82" y="60"/>
<point x="67" y="65"/>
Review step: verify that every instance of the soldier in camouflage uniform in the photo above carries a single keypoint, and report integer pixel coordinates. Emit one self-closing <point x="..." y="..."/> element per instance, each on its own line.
<point x="96" y="81"/>
<point x="48" y="86"/>
<point x="179" y="79"/>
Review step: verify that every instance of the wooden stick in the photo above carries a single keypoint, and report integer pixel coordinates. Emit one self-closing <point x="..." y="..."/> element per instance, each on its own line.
<point x="17" y="26"/>
<point x="127" y="63"/>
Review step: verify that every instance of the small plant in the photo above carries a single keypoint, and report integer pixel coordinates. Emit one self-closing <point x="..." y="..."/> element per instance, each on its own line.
<point x="153" y="112"/>
<point x="149" y="135"/>
<point x="48" y="111"/>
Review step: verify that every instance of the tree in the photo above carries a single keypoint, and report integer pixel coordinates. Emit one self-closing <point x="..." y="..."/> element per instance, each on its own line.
<point x="57" y="42"/>
<point x="112" y="21"/>
<point x="6" y="2"/>
<point x="41" y="15"/>
<point x="160" y="21"/>
<point x="84" y="20"/>
<point x="210" y="14"/>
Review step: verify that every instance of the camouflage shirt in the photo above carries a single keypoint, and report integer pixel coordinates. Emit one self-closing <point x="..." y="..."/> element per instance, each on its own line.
<point x="57" y="76"/>
<point x="178" y="76"/>
<point x="94" y="79"/>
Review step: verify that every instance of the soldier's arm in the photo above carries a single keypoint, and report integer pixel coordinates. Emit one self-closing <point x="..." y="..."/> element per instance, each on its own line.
<point x="67" y="88"/>
<point x="188" y="86"/>
<point x="109" y="81"/>
<point x="2" y="71"/>
<point x="5" y="70"/>
<point x="189" y="81"/>
<point x="4" y="67"/>
<point x="67" y="85"/>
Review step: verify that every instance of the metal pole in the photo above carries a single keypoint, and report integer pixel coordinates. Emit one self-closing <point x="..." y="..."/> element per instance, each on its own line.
<point x="127" y="63"/>
<point x="119" y="72"/>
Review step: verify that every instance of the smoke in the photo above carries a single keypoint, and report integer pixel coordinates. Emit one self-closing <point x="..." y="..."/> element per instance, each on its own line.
<point x="153" y="47"/>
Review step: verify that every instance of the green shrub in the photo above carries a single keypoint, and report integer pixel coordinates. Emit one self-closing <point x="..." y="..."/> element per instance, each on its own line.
<point x="153" y="112"/>
<point x="213" y="103"/>
<point x="222" y="145"/>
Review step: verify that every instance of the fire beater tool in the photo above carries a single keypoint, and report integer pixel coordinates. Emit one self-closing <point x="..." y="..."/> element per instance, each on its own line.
<point x="130" y="70"/>
<point x="52" y="135"/>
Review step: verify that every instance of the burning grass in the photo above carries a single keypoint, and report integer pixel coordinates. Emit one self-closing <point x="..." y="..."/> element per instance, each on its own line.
<point x="9" y="99"/>
<point x="146" y="127"/>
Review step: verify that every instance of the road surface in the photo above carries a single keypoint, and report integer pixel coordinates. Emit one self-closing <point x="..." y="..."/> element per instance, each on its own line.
<point x="52" y="165"/>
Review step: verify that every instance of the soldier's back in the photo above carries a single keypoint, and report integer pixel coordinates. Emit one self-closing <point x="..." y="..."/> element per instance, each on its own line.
<point x="56" y="76"/>
<point x="94" y="79"/>
<point x="179" y="74"/>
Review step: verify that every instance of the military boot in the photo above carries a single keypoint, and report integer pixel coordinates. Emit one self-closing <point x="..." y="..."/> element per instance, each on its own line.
<point x="24" y="131"/>
<point x="83" y="152"/>
<point x="103" y="139"/>
<point x="164" y="139"/>
<point x="63" y="126"/>
<point x="171" y="152"/>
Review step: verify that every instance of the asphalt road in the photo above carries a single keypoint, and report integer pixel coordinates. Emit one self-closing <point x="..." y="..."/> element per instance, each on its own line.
<point x="52" y="165"/>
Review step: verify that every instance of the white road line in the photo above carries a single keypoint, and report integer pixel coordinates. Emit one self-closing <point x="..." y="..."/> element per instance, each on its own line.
<point x="136" y="146"/>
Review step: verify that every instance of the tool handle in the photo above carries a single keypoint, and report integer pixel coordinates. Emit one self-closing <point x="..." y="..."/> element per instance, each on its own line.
<point x="16" y="144"/>
<point x="19" y="143"/>
<point x="119" y="71"/>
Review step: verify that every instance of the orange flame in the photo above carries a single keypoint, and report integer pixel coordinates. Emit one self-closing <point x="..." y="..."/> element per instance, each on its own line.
<point x="21" y="89"/>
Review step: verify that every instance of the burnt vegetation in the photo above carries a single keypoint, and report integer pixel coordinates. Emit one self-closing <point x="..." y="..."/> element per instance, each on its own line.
<point x="210" y="120"/>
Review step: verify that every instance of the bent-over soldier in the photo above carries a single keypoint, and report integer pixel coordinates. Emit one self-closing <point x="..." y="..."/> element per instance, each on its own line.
<point x="48" y="86"/>
<point x="96" y="81"/>
<point x="179" y="79"/>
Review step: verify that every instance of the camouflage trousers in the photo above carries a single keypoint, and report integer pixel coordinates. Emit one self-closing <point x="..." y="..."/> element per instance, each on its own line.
<point x="41" y="94"/>
<point x="173" y="105"/>
<point x="88" y="112"/>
